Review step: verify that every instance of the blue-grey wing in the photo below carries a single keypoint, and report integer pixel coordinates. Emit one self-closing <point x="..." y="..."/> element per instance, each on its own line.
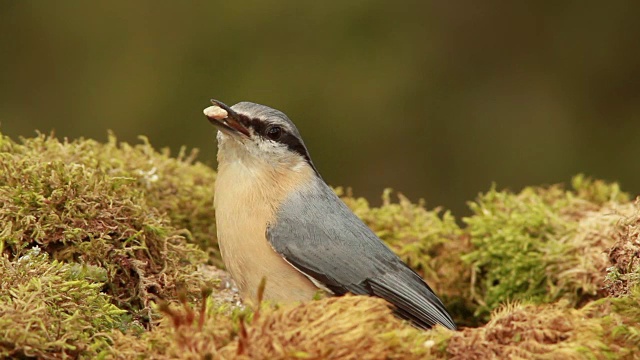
<point x="319" y="235"/>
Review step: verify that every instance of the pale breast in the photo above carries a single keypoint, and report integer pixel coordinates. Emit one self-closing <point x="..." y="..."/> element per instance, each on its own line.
<point x="246" y="200"/>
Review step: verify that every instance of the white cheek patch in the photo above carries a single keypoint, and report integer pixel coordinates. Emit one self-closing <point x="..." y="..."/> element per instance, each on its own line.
<point x="268" y="152"/>
<point x="265" y="150"/>
<point x="271" y="147"/>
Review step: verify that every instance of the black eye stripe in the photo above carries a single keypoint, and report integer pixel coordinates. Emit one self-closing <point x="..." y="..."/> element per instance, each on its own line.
<point x="295" y="145"/>
<point x="257" y="125"/>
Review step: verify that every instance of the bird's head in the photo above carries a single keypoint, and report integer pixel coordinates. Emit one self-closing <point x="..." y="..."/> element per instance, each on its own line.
<point x="256" y="133"/>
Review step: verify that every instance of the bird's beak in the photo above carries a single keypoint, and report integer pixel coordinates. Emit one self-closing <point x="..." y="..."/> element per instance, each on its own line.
<point x="225" y="119"/>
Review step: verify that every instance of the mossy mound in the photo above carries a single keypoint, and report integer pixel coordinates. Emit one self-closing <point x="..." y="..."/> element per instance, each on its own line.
<point x="105" y="205"/>
<point x="604" y="329"/>
<point x="125" y="232"/>
<point x="543" y="244"/>
<point x="49" y="309"/>
<point x="364" y="328"/>
<point x="351" y="327"/>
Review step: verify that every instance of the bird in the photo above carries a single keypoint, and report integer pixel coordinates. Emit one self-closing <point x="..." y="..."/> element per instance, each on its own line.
<point x="278" y="220"/>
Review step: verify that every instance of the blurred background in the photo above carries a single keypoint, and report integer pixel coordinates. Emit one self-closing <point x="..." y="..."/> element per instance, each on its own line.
<point x="436" y="100"/>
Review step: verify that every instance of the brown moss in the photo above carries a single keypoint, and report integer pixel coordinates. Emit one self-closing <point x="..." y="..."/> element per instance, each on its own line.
<point x="183" y="333"/>
<point x="556" y="331"/>
<point x="583" y="266"/>
<point x="335" y="328"/>
<point x="363" y="328"/>
<point x="624" y="257"/>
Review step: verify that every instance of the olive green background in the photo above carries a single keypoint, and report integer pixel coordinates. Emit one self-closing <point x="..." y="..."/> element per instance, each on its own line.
<point x="435" y="99"/>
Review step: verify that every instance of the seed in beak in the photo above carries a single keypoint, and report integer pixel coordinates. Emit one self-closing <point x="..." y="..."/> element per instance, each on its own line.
<point x="216" y="113"/>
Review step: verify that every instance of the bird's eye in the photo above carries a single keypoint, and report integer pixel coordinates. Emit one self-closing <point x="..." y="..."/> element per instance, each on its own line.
<point x="274" y="132"/>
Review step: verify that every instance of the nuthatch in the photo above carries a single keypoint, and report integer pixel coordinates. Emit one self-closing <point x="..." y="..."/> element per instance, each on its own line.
<point x="277" y="218"/>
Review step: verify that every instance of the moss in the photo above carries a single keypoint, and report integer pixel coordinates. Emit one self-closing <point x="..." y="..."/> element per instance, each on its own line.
<point x="598" y="191"/>
<point x="127" y="241"/>
<point x="624" y="257"/>
<point x="604" y="329"/>
<point x="183" y="333"/>
<point x="334" y="328"/>
<point x="544" y="243"/>
<point x="51" y="309"/>
<point x="351" y="327"/>
<point x="100" y="205"/>
<point x="363" y="328"/>
<point x="178" y="187"/>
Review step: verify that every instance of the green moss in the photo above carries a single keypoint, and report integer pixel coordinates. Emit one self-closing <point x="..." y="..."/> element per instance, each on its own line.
<point x="103" y="205"/>
<point x="542" y="244"/>
<point x="178" y="187"/>
<point x="598" y="191"/>
<point x="48" y="307"/>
